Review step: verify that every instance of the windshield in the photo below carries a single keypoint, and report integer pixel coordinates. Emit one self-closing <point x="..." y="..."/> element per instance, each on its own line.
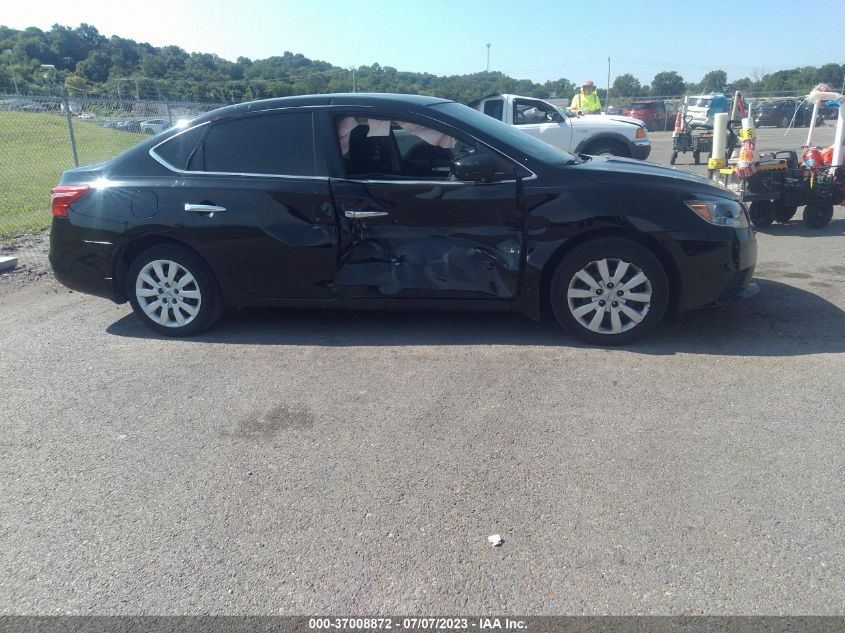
<point x="514" y="137"/>
<point x="639" y="106"/>
<point x="699" y="103"/>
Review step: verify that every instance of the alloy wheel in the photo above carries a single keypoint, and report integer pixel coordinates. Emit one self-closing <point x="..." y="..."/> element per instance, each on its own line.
<point x="168" y="293"/>
<point x="609" y="296"/>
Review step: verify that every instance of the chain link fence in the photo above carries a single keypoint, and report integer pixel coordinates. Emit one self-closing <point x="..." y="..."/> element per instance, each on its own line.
<point x="42" y="136"/>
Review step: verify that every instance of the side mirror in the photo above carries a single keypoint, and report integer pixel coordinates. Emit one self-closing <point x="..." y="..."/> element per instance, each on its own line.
<point x="475" y="167"/>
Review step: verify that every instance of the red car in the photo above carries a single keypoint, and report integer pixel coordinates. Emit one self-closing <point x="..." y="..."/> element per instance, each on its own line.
<point x="657" y="115"/>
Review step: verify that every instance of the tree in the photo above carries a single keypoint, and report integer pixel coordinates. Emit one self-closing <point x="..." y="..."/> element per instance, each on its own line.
<point x="95" y="68"/>
<point x="667" y="84"/>
<point x="743" y="85"/>
<point x="714" y="81"/>
<point x="626" y="86"/>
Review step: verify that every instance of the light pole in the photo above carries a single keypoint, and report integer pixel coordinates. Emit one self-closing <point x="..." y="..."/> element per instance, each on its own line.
<point x="488" y="57"/>
<point x="354" y="87"/>
<point x="607" y="96"/>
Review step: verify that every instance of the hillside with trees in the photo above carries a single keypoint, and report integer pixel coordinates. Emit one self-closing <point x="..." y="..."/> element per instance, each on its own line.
<point x="90" y="64"/>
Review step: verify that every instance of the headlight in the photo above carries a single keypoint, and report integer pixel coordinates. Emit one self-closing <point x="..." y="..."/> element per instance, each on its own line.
<point x="721" y="212"/>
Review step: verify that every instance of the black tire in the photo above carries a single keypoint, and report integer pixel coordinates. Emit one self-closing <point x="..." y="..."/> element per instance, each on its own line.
<point x="784" y="213"/>
<point x="696" y="157"/>
<point x="818" y="214"/>
<point x="587" y="258"/>
<point x="607" y="147"/>
<point x="200" y="310"/>
<point x="784" y="122"/>
<point x="762" y="213"/>
<point x="674" y="157"/>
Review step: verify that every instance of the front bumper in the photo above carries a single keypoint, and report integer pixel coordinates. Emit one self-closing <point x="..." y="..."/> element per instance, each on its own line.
<point x="640" y="149"/>
<point x="715" y="266"/>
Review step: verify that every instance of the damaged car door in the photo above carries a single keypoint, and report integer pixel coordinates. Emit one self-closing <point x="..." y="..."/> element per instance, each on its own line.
<point x="410" y="226"/>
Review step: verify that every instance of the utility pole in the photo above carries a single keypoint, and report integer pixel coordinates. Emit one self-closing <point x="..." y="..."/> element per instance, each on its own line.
<point x="607" y="96"/>
<point x="488" y="57"/>
<point x="12" y="70"/>
<point x="354" y="87"/>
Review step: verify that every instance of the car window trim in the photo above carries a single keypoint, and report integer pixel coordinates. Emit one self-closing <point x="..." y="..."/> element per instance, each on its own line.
<point x="462" y="183"/>
<point x="166" y="164"/>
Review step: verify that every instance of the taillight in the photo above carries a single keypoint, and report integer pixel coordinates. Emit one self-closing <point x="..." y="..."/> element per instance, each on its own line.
<point x="65" y="195"/>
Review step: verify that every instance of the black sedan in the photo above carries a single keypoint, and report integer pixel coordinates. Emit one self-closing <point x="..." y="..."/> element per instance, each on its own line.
<point x="783" y="114"/>
<point x="393" y="201"/>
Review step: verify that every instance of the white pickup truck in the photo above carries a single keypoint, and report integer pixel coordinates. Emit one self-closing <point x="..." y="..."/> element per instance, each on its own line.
<point x="591" y="134"/>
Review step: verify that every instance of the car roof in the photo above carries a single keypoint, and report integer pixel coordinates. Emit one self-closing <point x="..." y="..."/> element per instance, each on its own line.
<point x="349" y="98"/>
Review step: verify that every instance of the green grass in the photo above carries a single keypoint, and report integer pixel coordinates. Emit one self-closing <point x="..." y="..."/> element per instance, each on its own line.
<point x="35" y="150"/>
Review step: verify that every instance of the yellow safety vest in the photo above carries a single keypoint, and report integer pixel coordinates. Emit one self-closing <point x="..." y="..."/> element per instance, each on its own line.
<point x="586" y="103"/>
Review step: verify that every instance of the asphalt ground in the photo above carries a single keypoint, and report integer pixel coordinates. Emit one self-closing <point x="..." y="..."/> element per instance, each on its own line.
<point x="330" y="462"/>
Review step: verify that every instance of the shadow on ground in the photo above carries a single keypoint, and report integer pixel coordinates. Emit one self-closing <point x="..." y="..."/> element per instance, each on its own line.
<point x="797" y="228"/>
<point x="781" y="320"/>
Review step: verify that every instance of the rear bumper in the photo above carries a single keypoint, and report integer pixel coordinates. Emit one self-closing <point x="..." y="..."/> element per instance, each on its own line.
<point x="82" y="260"/>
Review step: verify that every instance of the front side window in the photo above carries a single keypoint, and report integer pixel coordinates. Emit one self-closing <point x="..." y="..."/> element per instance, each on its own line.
<point x="280" y="143"/>
<point x="533" y="112"/>
<point x="395" y="149"/>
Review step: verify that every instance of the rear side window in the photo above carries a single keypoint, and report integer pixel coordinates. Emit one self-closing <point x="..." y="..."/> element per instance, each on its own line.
<point x="275" y="144"/>
<point x="177" y="150"/>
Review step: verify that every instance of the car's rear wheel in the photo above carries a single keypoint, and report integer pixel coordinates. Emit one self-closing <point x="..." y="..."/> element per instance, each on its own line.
<point x="173" y="291"/>
<point x="609" y="291"/>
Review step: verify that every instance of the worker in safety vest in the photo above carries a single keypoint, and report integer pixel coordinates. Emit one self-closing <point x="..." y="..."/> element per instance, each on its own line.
<point x="586" y="101"/>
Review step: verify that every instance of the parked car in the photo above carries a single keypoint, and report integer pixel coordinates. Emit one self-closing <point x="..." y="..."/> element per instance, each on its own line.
<point x="829" y="109"/>
<point x="130" y="126"/>
<point x="783" y="113"/>
<point x="657" y="115"/>
<point x="393" y="201"/>
<point x="590" y="134"/>
<point x="699" y="108"/>
<point x="154" y="126"/>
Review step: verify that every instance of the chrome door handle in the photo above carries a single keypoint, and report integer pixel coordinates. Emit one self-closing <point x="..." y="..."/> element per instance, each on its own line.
<point x="203" y="208"/>
<point x="357" y="215"/>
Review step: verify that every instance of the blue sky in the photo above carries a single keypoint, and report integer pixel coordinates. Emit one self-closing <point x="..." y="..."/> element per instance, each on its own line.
<point x="533" y="39"/>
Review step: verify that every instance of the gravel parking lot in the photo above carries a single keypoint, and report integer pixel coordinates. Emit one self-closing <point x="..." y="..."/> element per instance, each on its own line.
<point x="329" y="462"/>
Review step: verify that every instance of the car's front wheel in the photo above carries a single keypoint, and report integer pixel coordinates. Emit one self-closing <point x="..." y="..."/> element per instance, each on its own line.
<point x="173" y="291"/>
<point x="606" y="147"/>
<point x="609" y="291"/>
